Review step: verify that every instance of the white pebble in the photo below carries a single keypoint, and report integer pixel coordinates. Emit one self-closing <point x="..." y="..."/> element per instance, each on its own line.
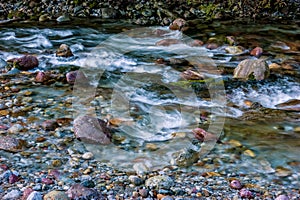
<point x="88" y="155"/>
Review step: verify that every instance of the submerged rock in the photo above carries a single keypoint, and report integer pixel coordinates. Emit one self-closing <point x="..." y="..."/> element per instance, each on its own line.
<point x="64" y="51"/>
<point x="77" y="76"/>
<point x="191" y="75"/>
<point x="2" y="63"/>
<point x="92" y="130"/>
<point x="292" y="104"/>
<point x="178" y="24"/>
<point x="167" y="42"/>
<point x="25" y="63"/>
<point x="252" y="69"/>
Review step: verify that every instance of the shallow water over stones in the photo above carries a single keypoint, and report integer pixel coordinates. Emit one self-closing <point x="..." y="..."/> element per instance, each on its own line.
<point x="137" y="87"/>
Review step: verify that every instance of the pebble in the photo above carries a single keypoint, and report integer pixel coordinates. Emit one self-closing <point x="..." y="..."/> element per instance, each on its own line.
<point x="135" y="180"/>
<point x="14" y="194"/>
<point x="159" y="182"/>
<point x="16" y="128"/>
<point x="13" y="178"/>
<point x="245" y="193"/>
<point x="282" y="197"/>
<point x="235" y="184"/>
<point x="88" y="155"/>
<point x="35" y="196"/>
<point x="49" y="125"/>
<point x="56" y="195"/>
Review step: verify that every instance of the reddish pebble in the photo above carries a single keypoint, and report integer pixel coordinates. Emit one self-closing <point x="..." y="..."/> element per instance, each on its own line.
<point x="212" y="46"/>
<point x="4" y="167"/>
<point x="196" y="43"/>
<point x="40" y="77"/>
<point x="26" y="193"/>
<point x="47" y="181"/>
<point x="257" y="51"/>
<point x="55" y="173"/>
<point x="282" y="197"/>
<point x="245" y="193"/>
<point x="13" y="178"/>
<point x="235" y="184"/>
<point x="71" y="77"/>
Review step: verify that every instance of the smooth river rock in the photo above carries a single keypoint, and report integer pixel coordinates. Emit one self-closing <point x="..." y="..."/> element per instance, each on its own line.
<point x="64" y="51"/>
<point x="25" y="63"/>
<point x="78" y="191"/>
<point x="252" y="69"/>
<point x="92" y="130"/>
<point x="11" y="144"/>
<point x="159" y="182"/>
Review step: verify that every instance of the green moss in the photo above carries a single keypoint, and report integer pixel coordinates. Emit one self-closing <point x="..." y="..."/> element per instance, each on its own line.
<point x="93" y="5"/>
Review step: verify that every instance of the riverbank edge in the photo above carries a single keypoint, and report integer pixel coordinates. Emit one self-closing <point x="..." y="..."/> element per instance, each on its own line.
<point x="152" y="12"/>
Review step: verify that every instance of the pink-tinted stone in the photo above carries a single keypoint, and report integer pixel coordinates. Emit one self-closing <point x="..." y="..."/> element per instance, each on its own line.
<point x="26" y="62"/>
<point x="167" y="42"/>
<point x="257" y="51"/>
<point x="178" y="24"/>
<point x="282" y="197"/>
<point x="26" y="193"/>
<point x="245" y="193"/>
<point x="13" y="178"/>
<point x="235" y="184"/>
<point x="47" y="181"/>
<point x="212" y="46"/>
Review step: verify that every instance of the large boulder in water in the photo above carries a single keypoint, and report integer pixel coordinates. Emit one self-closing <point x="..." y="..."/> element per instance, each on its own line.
<point x="252" y="69"/>
<point x="25" y="63"/>
<point x="92" y="130"/>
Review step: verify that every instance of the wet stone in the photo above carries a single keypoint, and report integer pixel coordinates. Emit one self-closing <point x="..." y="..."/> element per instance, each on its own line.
<point x="92" y="130"/>
<point x="178" y="24"/>
<point x="252" y="69"/>
<point x="282" y="197"/>
<point x="257" y="51"/>
<point x="245" y="193"/>
<point x="64" y="51"/>
<point x="235" y="184"/>
<point x="13" y="178"/>
<point x="16" y="128"/>
<point x="25" y="63"/>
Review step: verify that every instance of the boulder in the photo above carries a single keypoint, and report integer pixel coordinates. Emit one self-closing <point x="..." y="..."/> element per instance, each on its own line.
<point x="25" y="63"/>
<point x="252" y="69"/>
<point x="178" y="24"/>
<point x="92" y="130"/>
<point x="64" y="51"/>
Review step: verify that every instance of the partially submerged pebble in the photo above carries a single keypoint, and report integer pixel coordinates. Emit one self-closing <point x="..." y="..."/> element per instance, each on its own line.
<point x="64" y="51"/>
<point x="257" y="52"/>
<point x="168" y="42"/>
<point x="25" y="63"/>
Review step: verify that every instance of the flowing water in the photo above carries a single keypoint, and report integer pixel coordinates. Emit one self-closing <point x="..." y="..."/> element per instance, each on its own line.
<point x="156" y="109"/>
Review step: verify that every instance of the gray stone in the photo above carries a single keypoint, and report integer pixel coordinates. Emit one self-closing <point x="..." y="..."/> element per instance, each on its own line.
<point x="63" y="18"/>
<point x="14" y="194"/>
<point x="108" y="13"/>
<point x="252" y="69"/>
<point x="92" y="130"/>
<point x="16" y="128"/>
<point x="35" y="196"/>
<point x="159" y="182"/>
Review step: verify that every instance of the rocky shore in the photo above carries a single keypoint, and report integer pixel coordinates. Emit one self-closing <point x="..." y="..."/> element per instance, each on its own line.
<point x="148" y="12"/>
